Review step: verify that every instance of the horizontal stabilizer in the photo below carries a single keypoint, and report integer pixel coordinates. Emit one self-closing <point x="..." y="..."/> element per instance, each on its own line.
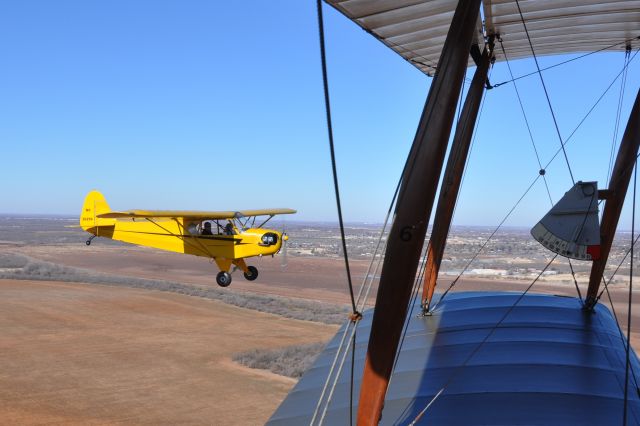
<point x="198" y="215"/>
<point x="571" y="227"/>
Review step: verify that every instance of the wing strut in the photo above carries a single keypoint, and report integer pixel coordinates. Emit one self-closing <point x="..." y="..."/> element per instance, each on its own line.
<point x="452" y="179"/>
<point x="615" y="199"/>
<point x="415" y="201"/>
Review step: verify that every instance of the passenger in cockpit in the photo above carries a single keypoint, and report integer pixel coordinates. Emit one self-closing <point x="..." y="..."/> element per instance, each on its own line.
<point x="228" y="229"/>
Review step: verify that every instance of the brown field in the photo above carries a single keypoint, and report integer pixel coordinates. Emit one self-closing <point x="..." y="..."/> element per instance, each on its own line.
<point x="93" y="354"/>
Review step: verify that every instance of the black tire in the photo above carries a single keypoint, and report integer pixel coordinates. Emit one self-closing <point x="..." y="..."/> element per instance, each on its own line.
<point x="223" y="279"/>
<point x="252" y="273"/>
<point x="88" y="242"/>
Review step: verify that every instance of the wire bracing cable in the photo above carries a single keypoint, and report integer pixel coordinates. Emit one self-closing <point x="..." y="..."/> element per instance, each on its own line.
<point x="618" y="112"/>
<point x="526" y="122"/>
<point x="626" y="42"/>
<point x="485" y="243"/>
<point x="591" y="109"/>
<point x="546" y="93"/>
<point x="461" y="367"/>
<point x="566" y="141"/>
<point x="363" y="295"/>
<point x="327" y="105"/>
<point x="464" y="173"/>
<point x="621" y="333"/>
<point x="607" y="282"/>
<point x="627" y="362"/>
<point x="414" y="296"/>
<point x="542" y="171"/>
<point x="324" y="405"/>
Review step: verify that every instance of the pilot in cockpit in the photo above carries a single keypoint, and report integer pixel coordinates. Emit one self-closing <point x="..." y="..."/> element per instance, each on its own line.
<point x="207" y="229"/>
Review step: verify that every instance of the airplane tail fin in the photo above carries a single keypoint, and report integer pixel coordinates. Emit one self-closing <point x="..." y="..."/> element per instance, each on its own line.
<point x="94" y="205"/>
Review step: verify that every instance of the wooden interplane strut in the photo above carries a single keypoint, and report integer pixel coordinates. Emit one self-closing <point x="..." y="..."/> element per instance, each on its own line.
<point x="415" y="201"/>
<point x="618" y="186"/>
<point x="452" y="179"/>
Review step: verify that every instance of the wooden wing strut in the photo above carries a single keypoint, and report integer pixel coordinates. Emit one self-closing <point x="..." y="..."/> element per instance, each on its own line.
<point x="452" y="178"/>
<point x="415" y="201"/>
<point x="617" y="191"/>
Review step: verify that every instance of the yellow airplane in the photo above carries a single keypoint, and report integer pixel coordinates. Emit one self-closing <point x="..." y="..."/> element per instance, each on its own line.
<point x="191" y="232"/>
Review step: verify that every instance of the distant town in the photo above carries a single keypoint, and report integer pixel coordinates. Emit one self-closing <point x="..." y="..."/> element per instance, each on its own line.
<point x="511" y="253"/>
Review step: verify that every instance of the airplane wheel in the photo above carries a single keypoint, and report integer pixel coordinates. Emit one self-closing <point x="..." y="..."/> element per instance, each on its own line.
<point x="88" y="242"/>
<point x="223" y="279"/>
<point x="252" y="274"/>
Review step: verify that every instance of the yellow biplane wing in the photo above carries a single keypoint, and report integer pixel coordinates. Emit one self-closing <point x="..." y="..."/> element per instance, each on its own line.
<point x="194" y="214"/>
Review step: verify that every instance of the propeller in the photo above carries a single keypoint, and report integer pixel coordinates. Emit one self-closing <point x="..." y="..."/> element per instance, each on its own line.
<point x="283" y="256"/>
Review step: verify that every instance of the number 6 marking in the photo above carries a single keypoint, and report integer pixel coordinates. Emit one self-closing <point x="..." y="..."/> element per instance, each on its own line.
<point x="405" y="233"/>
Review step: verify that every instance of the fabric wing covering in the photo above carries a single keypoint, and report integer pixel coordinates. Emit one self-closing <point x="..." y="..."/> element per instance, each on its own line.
<point x="416" y="30"/>
<point x="539" y="361"/>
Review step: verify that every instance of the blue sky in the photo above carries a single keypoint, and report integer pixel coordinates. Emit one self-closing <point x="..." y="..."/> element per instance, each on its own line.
<point x="219" y="105"/>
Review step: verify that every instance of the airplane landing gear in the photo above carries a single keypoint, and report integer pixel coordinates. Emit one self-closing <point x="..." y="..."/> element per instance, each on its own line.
<point x="252" y="273"/>
<point x="88" y="242"/>
<point x="223" y="279"/>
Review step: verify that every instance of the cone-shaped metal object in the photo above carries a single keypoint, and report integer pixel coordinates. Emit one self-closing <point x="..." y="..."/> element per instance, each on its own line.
<point x="571" y="227"/>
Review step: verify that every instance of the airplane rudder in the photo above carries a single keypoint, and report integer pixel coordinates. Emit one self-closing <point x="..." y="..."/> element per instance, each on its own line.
<point x="94" y="204"/>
